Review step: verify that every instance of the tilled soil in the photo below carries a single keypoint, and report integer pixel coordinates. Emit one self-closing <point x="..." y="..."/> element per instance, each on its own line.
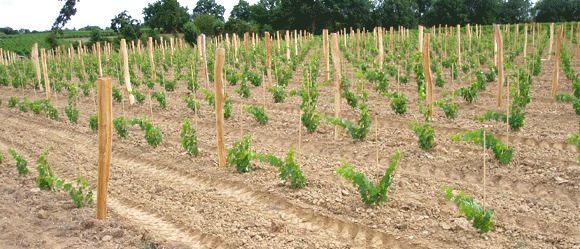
<point x="165" y="197"/>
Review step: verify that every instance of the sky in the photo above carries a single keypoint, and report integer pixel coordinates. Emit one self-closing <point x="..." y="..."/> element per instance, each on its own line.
<point x="39" y="15"/>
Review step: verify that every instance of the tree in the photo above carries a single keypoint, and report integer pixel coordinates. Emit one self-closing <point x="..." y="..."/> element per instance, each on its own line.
<point x="266" y="13"/>
<point x="67" y="11"/>
<point x="190" y="33"/>
<point x="515" y="11"/>
<point x="167" y="15"/>
<point x="126" y="26"/>
<point x="422" y="7"/>
<point x="554" y="11"/>
<point x="392" y="13"/>
<point x="207" y="24"/>
<point x="446" y="12"/>
<point x="482" y="11"/>
<point x="209" y="7"/>
<point x="241" y="11"/>
<point x="240" y="26"/>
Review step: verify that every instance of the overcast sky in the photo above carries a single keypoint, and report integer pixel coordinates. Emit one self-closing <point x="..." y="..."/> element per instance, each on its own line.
<point x="40" y="14"/>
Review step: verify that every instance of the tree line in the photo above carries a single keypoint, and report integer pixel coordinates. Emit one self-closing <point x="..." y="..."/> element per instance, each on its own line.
<point x="168" y="16"/>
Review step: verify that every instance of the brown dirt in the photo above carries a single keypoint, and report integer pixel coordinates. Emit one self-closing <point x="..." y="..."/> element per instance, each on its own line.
<point x="163" y="196"/>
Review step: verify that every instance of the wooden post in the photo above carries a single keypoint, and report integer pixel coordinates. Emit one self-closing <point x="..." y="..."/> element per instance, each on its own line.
<point x="500" y="65"/>
<point x="326" y="52"/>
<point x="45" y="71"/>
<point x="551" y="41"/>
<point x="220" y="54"/>
<point x="337" y="74"/>
<point x="278" y="39"/>
<point x="525" y="40"/>
<point x="126" y="75"/>
<point x="458" y="44"/>
<point x="427" y="71"/>
<point x="381" y="48"/>
<point x="420" y="44"/>
<point x="35" y="60"/>
<point x="151" y="58"/>
<point x="557" y="61"/>
<point x="105" y="116"/>
<point x="287" y="45"/>
<point x="268" y="58"/>
<point x="578" y="39"/>
<point x="99" y="59"/>
<point x="391" y="38"/>
<point x="204" y="51"/>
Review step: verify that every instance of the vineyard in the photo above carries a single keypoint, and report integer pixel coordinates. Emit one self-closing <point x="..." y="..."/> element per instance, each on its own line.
<point x="437" y="137"/>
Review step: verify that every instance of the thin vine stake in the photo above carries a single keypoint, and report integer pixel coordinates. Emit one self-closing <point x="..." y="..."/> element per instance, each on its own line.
<point x="299" y="130"/>
<point x="484" y="172"/>
<point x="507" y="116"/>
<point x="377" y="144"/>
<point x="500" y="65"/>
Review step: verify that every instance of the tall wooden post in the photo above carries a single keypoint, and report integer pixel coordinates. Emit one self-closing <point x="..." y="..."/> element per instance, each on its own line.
<point x="45" y="71"/>
<point x="105" y="117"/>
<point x="337" y="78"/>
<point x="557" y="61"/>
<point x="204" y="50"/>
<point x="381" y="48"/>
<point x="98" y="45"/>
<point x="287" y="45"/>
<point x="551" y="41"/>
<point x="525" y="40"/>
<point x="427" y="71"/>
<point x="126" y="75"/>
<point x="268" y="58"/>
<point x="326" y="52"/>
<point x="151" y="58"/>
<point x="220" y="54"/>
<point x="35" y="60"/>
<point x="458" y="44"/>
<point x="420" y="43"/>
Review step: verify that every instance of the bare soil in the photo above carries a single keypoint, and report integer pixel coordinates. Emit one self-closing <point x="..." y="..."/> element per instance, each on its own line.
<point x="164" y="197"/>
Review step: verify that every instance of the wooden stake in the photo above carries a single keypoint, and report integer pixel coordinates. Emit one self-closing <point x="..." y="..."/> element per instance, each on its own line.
<point x="299" y="130"/>
<point x="126" y="75"/>
<point x="525" y="40"/>
<point x="500" y="65"/>
<point x="151" y="58"/>
<point x="45" y="71"/>
<point x="381" y="48"/>
<point x="551" y="41"/>
<point x="268" y="58"/>
<point x="35" y="60"/>
<point x="204" y="51"/>
<point x="427" y="71"/>
<point x="458" y="44"/>
<point x="557" y="61"/>
<point x="99" y="59"/>
<point x="507" y="108"/>
<point x="377" y="144"/>
<point x="326" y="52"/>
<point x="220" y="54"/>
<point x="484" y="171"/>
<point x="105" y="115"/>
<point x="420" y="43"/>
<point x="337" y="77"/>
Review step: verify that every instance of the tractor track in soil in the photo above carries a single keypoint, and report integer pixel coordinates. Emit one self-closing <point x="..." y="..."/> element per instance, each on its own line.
<point x="299" y="217"/>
